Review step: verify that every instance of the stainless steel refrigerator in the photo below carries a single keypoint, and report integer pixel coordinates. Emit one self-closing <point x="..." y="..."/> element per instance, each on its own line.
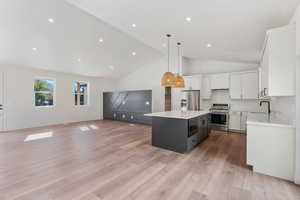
<point x="191" y="100"/>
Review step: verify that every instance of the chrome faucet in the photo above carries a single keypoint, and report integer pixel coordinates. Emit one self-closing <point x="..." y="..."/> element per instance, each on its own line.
<point x="269" y="105"/>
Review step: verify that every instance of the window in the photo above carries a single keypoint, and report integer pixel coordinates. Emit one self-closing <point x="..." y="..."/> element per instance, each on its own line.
<point x="80" y="91"/>
<point x="44" y="92"/>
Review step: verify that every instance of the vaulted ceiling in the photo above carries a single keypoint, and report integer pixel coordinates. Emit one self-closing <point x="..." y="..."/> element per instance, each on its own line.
<point x="97" y="37"/>
<point x="234" y="29"/>
<point x="54" y="35"/>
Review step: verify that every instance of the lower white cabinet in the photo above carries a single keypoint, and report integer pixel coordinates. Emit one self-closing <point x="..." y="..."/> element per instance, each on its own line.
<point x="237" y="121"/>
<point x="271" y="150"/>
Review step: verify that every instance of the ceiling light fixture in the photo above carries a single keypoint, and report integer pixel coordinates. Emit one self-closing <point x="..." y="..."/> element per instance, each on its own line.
<point x="208" y="45"/>
<point x="79" y="60"/>
<point x="179" y="81"/>
<point x="34" y="49"/>
<point x="134" y="53"/>
<point x="101" y="40"/>
<point x="133" y="25"/>
<point x="188" y="19"/>
<point x="51" y="20"/>
<point x="168" y="77"/>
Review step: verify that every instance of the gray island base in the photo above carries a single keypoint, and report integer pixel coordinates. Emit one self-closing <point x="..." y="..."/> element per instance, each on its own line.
<point x="179" y="131"/>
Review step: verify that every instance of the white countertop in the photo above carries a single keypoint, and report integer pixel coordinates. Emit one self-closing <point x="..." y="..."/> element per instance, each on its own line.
<point x="179" y="114"/>
<point x="266" y="120"/>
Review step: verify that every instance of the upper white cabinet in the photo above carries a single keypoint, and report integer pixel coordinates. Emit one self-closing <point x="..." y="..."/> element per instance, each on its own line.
<point x="250" y="82"/>
<point x="193" y="82"/>
<point x="206" y="87"/>
<point x="235" y="86"/>
<point x="244" y="85"/>
<point x="278" y="64"/>
<point x="219" y="81"/>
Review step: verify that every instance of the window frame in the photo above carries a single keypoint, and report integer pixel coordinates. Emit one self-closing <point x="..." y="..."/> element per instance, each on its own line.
<point x="74" y="93"/>
<point x="54" y="92"/>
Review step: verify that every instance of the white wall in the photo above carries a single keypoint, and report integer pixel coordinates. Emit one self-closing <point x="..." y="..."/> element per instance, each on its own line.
<point x="147" y="77"/>
<point x="19" y="99"/>
<point x="203" y="66"/>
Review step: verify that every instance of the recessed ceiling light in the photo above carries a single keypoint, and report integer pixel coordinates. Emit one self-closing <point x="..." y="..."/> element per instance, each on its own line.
<point x="111" y="67"/>
<point x="208" y="45"/>
<point x="79" y="60"/>
<point x="34" y="49"/>
<point x="133" y="53"/>
<point x="101" y="40"/>
<point x="51" y="20"/>
<point x="188" y="19"/>
<point x="133" y="25"/>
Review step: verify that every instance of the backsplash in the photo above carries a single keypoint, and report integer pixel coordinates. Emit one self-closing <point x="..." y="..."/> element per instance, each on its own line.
<point x="222" y="96"/>
<point x="283" y="107"/>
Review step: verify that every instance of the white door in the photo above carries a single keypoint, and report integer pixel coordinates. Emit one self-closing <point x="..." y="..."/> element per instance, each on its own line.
<point x="206" y="88"/>
<point x="235" y="86"/>
<point x="250" y="86"/>
<point x="2" y="116"/>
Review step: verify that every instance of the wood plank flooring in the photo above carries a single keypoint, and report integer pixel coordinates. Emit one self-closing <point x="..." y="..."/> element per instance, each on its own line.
<point x="109" y="160"/>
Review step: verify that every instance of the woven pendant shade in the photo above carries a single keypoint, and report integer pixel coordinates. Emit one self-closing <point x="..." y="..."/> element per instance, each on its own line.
<point x="168" y="79"/>
<point x="179" y="82"/>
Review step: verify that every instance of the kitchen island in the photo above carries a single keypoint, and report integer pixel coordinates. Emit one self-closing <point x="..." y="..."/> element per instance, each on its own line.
<point x="179" y="131"/>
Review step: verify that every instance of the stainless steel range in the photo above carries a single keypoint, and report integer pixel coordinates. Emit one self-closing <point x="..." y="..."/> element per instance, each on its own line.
<point x="220" y="117"/>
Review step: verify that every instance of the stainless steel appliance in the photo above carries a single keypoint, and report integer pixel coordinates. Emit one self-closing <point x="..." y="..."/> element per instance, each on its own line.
<point x="219" y="117"/>
<point x="192" y="99"/>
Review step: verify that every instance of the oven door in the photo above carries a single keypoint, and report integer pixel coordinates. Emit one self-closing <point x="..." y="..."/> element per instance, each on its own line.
<point x="219" y="119"/>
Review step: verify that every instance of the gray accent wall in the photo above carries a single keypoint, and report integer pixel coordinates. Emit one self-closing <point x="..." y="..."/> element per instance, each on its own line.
<point x="128" y="106"/>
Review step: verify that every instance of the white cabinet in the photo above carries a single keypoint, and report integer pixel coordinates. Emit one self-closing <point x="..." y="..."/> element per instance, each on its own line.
<point x="237" y="121"/>
<point x="250" y="86"/>
<point x="278" y="64"/>
<point x="244" y="85"/>
<point x="235" y="86"/>
<point x="193" y="82"/>
<point x="206" y="88"/>
<point x="220" y="81"/>
<point x="271" y="150"/>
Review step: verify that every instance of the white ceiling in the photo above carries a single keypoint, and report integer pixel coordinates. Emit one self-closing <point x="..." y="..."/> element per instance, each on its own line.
<point x="75" y="35"/>
<point x="235" y="28"/>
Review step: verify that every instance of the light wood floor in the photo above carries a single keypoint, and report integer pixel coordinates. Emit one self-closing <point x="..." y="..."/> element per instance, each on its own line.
<point x="111" y="160"/>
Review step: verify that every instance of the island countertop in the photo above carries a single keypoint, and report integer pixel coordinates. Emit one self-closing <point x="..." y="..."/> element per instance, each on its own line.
<point x="179" y="114"/>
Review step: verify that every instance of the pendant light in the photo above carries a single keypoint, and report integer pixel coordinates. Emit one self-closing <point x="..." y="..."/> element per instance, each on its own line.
<point x="168" y="77"/>
<point x="179" y="81"/>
